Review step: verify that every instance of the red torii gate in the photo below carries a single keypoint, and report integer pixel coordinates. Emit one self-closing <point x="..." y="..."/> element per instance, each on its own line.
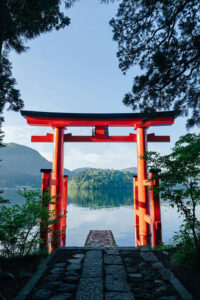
<point x="100" y="124"/>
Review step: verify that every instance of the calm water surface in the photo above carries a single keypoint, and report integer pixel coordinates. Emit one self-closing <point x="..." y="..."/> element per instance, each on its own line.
<point x="106" y="210"/>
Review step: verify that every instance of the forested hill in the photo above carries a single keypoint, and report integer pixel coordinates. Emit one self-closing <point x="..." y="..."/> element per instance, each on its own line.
<point x="102" y="179"/>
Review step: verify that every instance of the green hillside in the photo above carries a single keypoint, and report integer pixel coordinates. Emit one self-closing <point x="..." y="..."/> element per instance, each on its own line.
<point x="101" y="179"/>
<point x="21" y="165"/>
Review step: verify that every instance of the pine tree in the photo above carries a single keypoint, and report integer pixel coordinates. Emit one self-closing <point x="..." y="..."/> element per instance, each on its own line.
<point x="163" y="38"/>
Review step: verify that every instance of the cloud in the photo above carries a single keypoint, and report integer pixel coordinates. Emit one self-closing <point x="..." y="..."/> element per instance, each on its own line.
<point x="113" y="156"/>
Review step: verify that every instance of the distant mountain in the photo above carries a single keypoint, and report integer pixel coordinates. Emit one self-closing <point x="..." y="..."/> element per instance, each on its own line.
<point x="21" y="166"/>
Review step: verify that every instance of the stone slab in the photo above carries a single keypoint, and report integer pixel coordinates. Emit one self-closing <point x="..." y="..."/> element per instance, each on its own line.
<point x="112" y="251"/>
<point x="92" y="271"/>
<point x="115" y="269"/>
<point x="93" y="258"/>
<point x="117" y="283"/>
<point x="90" y="289"/>
<point x="119" y="296"/>
<point x="112" y="259"/>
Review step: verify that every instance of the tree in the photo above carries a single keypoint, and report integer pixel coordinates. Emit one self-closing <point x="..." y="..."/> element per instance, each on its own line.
<point x="180" y="186"/>
<point x="20" y="21"/>
<point x="163" y="38"/>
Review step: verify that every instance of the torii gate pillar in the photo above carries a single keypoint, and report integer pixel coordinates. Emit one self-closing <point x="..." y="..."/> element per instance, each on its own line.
<point x="143" y="199"/>
<point x="57" y="186"/>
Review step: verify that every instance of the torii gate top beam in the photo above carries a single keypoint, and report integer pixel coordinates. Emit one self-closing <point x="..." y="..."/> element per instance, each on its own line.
<point x="36" y="118"/>
<point x="101" y="123"/>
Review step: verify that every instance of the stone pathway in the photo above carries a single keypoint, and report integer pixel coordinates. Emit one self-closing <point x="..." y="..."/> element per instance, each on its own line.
<point x="100" y="238"/>
<point x="84" y="273"/>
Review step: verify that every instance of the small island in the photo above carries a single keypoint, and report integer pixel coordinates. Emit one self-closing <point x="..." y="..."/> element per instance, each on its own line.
<point x="101" y="179"/>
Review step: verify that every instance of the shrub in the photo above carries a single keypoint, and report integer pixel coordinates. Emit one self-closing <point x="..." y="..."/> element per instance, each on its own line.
<point x="20" y="225"/>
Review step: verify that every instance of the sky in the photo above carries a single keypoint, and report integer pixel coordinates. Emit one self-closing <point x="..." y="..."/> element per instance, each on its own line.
<point x="76" y="70"/>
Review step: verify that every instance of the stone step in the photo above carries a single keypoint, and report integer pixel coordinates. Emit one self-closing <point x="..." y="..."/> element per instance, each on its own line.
<point x="115" y="273"/>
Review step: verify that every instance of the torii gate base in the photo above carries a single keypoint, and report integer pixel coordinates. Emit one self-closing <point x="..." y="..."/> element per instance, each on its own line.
<point x="146" y="209"/>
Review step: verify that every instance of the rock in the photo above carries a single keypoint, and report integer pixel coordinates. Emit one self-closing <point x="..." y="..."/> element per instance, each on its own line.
<point x="62" y="265"/>
<point x="135" y="276"/>
<point x="79" y="255"/>
<point x="66" y="287"/>
<point x="130" y="270"/>
<point x="41" y="294"/>
<point x="57" y="271"/>
<point x="157" y="265"/>
<point x="71" y="273"/>
<point x="75" y="261"/>
<point x="158" y="282"/>
<point x="148" y="256"/>
<point x="143" y="265"/>
<point x="73" y="267"/>
<point x="52" y="277"/>
<point x="50" y="285"/>
<point x="161" y="290"/>
<point x="71" y="279"/>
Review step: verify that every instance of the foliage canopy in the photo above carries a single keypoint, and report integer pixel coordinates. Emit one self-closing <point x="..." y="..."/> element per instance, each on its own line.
<point x="20" y="21"/>
<point x="163" y="37"/>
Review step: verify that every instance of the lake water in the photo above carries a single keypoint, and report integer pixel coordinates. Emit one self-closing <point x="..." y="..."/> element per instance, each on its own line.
<point x="106" y="210"/>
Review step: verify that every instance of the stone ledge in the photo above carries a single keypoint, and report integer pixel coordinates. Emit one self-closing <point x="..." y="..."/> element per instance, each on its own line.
<point x="180" y="289"/>
<point x="36" y="277"/>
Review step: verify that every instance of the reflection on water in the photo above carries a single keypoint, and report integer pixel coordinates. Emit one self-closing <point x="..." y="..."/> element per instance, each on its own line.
<point x="98" y="199"/>
<point x="106" y="210"/>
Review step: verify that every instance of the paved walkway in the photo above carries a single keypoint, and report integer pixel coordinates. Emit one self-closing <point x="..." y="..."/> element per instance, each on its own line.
<point x="84" y="273"/>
